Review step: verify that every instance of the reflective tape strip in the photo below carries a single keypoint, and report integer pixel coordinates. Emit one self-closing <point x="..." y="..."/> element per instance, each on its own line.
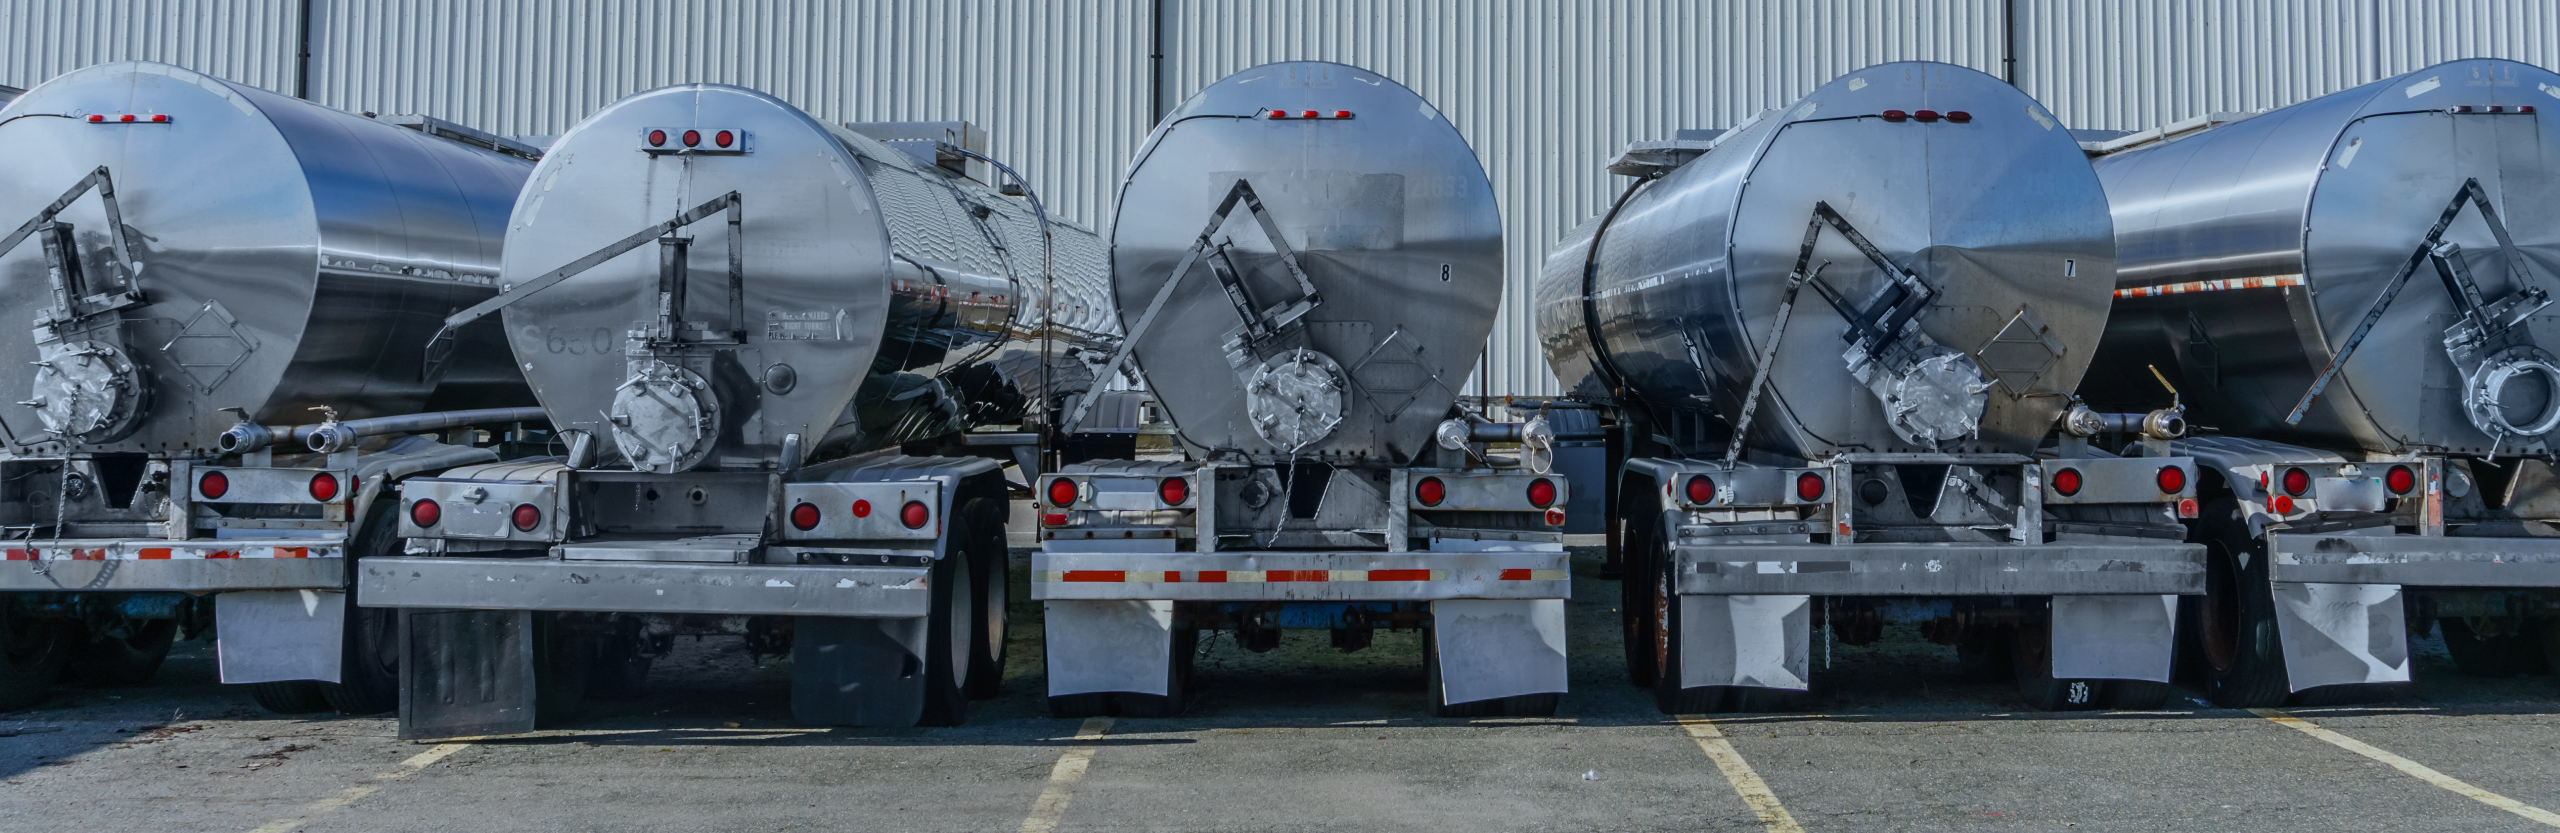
<point x="1250" y="576"/>
<point x="129" y="553"/>
<point x="2268" y="282"/>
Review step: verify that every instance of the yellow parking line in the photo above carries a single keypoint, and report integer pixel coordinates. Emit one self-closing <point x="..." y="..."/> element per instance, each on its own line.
<point x="351" y="794"/>
<point x="2413" y="768"/>
<point x="1754" y="791"/>
<point x="1052" y="804"/>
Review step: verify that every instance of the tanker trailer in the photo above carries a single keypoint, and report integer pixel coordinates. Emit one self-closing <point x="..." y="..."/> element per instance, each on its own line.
<point x="1308" y="259"/>
<point x="737" y="316"/>
<point x="222" y="294"/>
<point x="1841" y="341"/>
<point x="2351" y="292"/>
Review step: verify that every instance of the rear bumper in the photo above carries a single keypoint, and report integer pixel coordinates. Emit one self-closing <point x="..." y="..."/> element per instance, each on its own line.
<point x="644" y="587"/>
<point x="201" y="566"/>
<point x="2414" y="560"/>
<point x="2059" y="569"/>
<point x="1298" y="576"/>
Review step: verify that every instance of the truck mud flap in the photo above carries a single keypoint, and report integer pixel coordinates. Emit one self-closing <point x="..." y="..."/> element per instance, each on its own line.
<point x="1495" y="648"/>
<point x="2337" y="634"/>
<point x="1758" y="641"/>
<point x="2114" y="637"/>
<point x="265" y="636"/>
<point x="857" y="672"/>
<point x="465" y="673"/>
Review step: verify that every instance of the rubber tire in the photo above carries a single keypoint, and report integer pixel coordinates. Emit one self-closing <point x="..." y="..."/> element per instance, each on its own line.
<point x="369" y="648"/>
<point x="2512" y="655"/>
<point x="2242" y="601"/>
<point x="620" y="665"/>
<point x="1638" y="616"/>
<point x="983" y="537"/>
<point x="1177" y="685"/>
<point x="32" y="655"/>
<point x="946" y="652"/>
<point x="1518" y="705"/>
<point x="289" y="696"/>
<point x="563" y="661"/>
<point x="2031" y="660"/>
<point x="125" y="662"/>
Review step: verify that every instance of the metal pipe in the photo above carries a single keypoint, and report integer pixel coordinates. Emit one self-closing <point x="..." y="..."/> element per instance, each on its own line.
<point x="2164" y="424"/>
<point x="339" y="436"/>
<point x="302" y="58"/>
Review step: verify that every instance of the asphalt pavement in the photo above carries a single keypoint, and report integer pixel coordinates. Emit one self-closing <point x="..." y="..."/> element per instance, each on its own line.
<point x="1307" y="738"/>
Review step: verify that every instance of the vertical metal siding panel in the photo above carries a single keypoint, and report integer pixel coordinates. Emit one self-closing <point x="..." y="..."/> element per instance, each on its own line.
<point x="248" y="41"/>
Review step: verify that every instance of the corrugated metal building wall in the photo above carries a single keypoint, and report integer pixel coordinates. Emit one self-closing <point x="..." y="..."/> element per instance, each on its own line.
<point x="1546" y="90"/>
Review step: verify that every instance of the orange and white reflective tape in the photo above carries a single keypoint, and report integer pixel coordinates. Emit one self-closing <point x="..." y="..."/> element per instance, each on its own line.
<point x="133" y="552"/>
<point x="2268" y="282"/>
<point x="1265" y="576"/>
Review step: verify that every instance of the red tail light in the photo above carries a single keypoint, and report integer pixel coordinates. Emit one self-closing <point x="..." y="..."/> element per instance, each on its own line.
<point x="1809" y="486"/>
<point x="862" y="509"/>
<point x="324" y="487"/>
<point x="692" y="138"/>
<point x="2171" y="480"/>
<point x="914" y="514"/>
<point x="2281" y="504"/>
<point x="1431" y="491"/>
<point x="2296" y="481"/>
<point x="1555" y="517"/>
<point x="2400" y="480"/>
<point x="1542" y="493"/>
<point x="527" y="517"/>
<point x="724" y="138"/>
<point x="425" y="513"/>
<point x="804" y="517"/>
<point x="1895" y="115"/>
<point x="658" y="138"/>
<point x="214" y="485"/>
<point x="1701" y="489"/>
<point x="1174" y="490"/>
<point x="1062" y="492"/>
<point x="2067" y="482"/>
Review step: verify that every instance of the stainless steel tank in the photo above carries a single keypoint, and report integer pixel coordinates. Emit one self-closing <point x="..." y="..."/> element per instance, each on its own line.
<point x="1962" y="327"/>
<point x="824" y="286"/>
<point x="2253" y="252"/>
<point x="1309" y="259"/>
<point x="276" y="257"/>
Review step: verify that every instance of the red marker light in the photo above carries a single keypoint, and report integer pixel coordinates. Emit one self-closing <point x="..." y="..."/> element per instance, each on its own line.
<point x="2524" y="108"/>
<point x="1542" y="493"/>
<point x="128" y="118"/>
<point x="2400" y="480"/>
<point x="162" y="118"/>
<point x="1341" y="114"/>
<point x="425" y="513"/>
<point x="2281" y="504"/>
<point x="804" y="517"/>
<point x="1062" y="492"/>
<point x="1701" y="489"/>
<point x="1053" y="520"/>
<point x="2496" y="109"/>
<point x="914" y="514"/>
<point x="214" y="485"/>
<point x="1925" y="115"/>
<point x="692" y="138"/>
<point x="1809" y="486"/>
<point x="1307" y="115"/>
<point x="1895" y="115"/>
<point x="1279" y="114"/>
<point x="324" y="487"/>
<point x="723" y="138"/>
<point x="2296" y="481"/>
<point x="1431" y="491"/>
<point x="862" y="509"/>
<point x="2171" y="480"/>
<point x="1173" y="490"/>
<point x="1555" y="517"/>
<point x="95" y="118"/>
<point x="1959" y="116"/>
<point x="658" y="138"/>
<point x="2067" y="482"/>
<point x="526" y="517"/>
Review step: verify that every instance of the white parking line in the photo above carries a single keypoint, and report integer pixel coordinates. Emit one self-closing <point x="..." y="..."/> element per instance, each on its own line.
<point x="1747" y="783"/>
<point x="351" y="794"/>
<point x="1052" y="804"/>
<point x="2413" y="768"/>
